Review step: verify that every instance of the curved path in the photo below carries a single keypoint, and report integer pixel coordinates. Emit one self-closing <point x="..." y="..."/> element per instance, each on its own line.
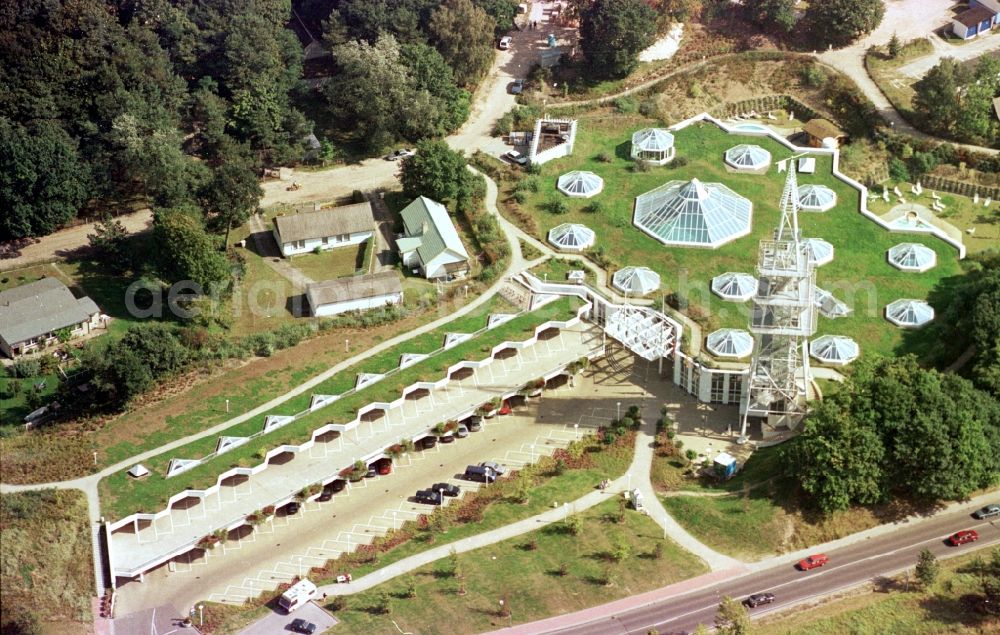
<point x="636" y="477"/>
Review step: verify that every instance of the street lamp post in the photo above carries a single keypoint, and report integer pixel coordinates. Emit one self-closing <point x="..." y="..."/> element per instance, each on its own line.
<point x="347" y="344"/>
<point x="619" y="410"/>
<point x="227" y="406"/>
<point x="201" y="615"/>
<point x="576" y="430"/>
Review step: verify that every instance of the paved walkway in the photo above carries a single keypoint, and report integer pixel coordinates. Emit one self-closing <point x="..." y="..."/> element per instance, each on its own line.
<point x="636" y="477"/>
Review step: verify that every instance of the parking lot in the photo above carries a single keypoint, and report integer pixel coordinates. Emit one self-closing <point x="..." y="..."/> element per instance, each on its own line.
<point x="278" y="623"/>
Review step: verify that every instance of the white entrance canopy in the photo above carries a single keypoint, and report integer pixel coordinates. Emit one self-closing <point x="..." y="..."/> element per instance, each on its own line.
<point x="636" y="281"/>
<point x="837" y="350"/>
<point x="642" y="330"/>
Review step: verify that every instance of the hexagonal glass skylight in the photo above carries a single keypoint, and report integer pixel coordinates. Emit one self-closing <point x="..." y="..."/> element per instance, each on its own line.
<point x="816" y="198"/>
<point x="748" y="157"/>
<point x="912" y="257"/>
<point x="834" y="349"/>
<point x="729" y="343"/>
<point x="909" y="313"/>
<point x="580" y="184"/>
<point x="735" y="287"/>
<point x="636" y="280"/>
<point x="572" y="237"/>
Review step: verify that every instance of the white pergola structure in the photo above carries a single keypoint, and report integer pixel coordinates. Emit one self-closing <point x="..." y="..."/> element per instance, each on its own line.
<point x="749" y="158"/>
<point x="636" y="281"/>
<point x="733" y="343"/>
<point x="580" y="184"/>
<point x="693" y="214"/>
<point x="909" y="314"/>
<point x="818" y="250"/>
<point x="912" y="257"/>
<point x="653" y="145"/>
<point x="816" y="198"/>
<point x="733" y="286"/>
<point x="572" y="237"/>
<point x="836" y="350"/>
<point x="644" y="331"/>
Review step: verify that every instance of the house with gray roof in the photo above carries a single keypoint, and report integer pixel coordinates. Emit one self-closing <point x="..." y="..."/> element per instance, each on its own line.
<point x="430" y="244"/>
<point x="355" y="293"/>
<point x="32" y="315"/>
<point x="328" y="228"/>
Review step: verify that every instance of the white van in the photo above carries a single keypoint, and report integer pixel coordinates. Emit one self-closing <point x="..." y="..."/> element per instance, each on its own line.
<point x="298" y="594"/>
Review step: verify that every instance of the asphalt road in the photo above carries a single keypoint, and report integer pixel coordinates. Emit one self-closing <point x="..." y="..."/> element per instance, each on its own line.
<point x="849" y="566"/>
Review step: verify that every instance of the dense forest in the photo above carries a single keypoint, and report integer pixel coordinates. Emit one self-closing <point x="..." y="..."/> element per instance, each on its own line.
<point x="179" y="103"/>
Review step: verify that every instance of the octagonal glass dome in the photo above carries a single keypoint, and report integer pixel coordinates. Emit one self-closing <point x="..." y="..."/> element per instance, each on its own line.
<point x="729" y="343"/>
<point x="912" y="257"/>
<point x="834" y="349"/>
<point x="580" y="184"/>
<point x="654" y="145"/>
<point x="909" y="313"/>
<point x="736" y="287"/>
<point x="818" y="249"/>
<point x="636" y="280"/>
<point x="816" y="198"/>
<point x="693" y="214"/>
<point x="748" y="157"/>
<point x="572" y="237"/>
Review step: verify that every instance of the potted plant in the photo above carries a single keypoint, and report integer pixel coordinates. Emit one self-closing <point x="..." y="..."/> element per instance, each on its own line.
<point x="268" y="513"/>
<point x="534" y="387"/>
<point x="208" y="542"/>
<point x="489" y="409"/>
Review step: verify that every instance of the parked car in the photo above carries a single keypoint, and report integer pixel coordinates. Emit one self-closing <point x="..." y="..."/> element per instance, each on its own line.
<point x="385" y="468"/>
<point x="396" y="155"/>
<point x="515" y="157"/>
<point x="299" y="625"/>
<point x="987" y="512"/>
<point x="757" y="599"/>
<point x="505" y="42"/>
<point x="496" y="467"/>
<point x="429" y="442"/>
<point x="461" y="431"/>
<point x="812" y="562"/>
<point x="517" y="87"/>
<point x="963" y="537"/>
<point x="445" y="489"/>
<point x="505" y="408"/>
<point x="475" y="423"/>
<point x="446" y="438"/>
<point x="338" y="485"/>
<point x="479" y="473"/>
<point x="428" y="497"/>
<point x="327" y="493"/>
<point x="292" y="508"/>
<point x="372" y="472"/>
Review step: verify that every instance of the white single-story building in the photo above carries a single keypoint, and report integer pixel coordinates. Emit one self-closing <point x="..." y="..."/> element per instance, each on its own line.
<point x="328" y="228"/>
<point x="978" y="19"/>
<point x="356" y="293"/>
<point x="33" y="314"/>
<point x="430" y="243"/>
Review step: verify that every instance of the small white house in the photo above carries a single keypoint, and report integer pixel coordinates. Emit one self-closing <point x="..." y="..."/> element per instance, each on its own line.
<point x="327" y="228"/>
<point x="430" y="243"/>
<point x="357" y="293"/>
<point x="979" y="19"/>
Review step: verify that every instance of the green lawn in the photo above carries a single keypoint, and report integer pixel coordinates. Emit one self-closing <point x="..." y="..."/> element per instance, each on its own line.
<point x="333" y="263"/>
<point x="859" y="274"/>
<point x="529" y="578"/>
<point x="121" y="495"/>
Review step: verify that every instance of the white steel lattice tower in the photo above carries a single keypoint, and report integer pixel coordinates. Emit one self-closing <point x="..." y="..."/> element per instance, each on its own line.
<point x="782" y="319"/>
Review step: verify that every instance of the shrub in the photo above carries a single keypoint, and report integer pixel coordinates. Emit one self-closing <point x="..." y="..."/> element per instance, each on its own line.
<point x="813" y="76"/>
<point x="594" y="207"/>
<point x="678" y="162"/>
<point x="640" y="166"/>
<point x="520" y="196"/>
<point x="695" y="91"/>
<point x="627" y="105"/>
<point x="690" y="454"/>
<point x="898" y="170"/>
<point x="603" y="157"/>
<point x="317" y="250"/>
<point x="558" y="206"/>
<point x="24" y="368"/>
<point x="338" y="603"/>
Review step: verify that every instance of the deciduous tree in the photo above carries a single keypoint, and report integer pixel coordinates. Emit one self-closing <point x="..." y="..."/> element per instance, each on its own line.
<point x="732" y="618"/>
<point x="463" y="34"/>
<point x="435" y="171"/>
<point x="840" y="22"/>
<point x="613" y="32"/>
<point x="187" y="251"/>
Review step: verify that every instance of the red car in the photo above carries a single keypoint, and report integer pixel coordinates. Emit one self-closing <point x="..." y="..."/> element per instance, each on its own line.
<point x="962" y="537"/>
<point x="813" y="561"/>
<point x="505" y="407"/>
<point x="384" y="466"/>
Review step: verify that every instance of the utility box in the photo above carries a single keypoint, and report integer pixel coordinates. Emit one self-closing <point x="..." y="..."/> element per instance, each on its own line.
<point x="725" y="465"/>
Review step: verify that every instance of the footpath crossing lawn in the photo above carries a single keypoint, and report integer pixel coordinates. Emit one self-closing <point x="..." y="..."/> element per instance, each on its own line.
<point x="121" y="495"/>
<point x="529" y="572"/>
